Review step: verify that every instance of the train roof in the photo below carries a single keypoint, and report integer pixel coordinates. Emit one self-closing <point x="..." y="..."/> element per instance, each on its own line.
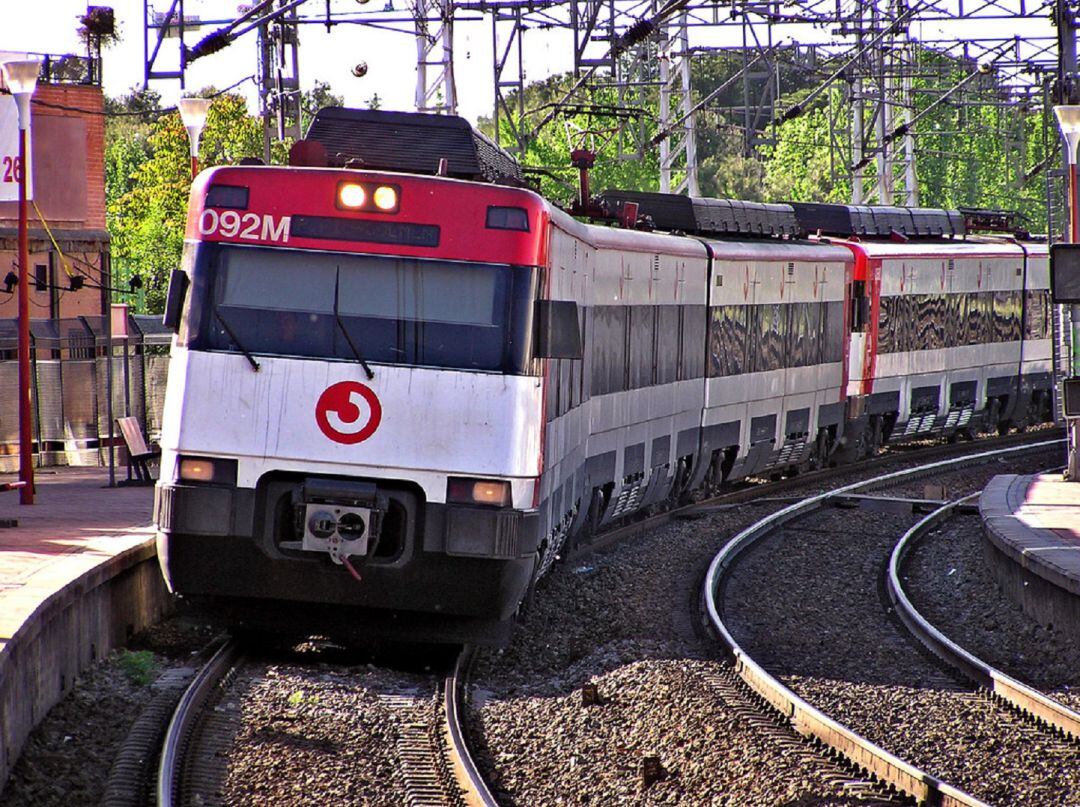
<point x="732" y="218"/>
<point x="701" y="216"/>
<point x="411" y="142"/>
<point x="878" y="221"/>
<point x="971" y="246"/>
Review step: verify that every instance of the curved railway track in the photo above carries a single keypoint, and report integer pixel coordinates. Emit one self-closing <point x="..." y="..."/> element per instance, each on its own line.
<point x="722" y="682"/>
<point x="433" y="759"/>
<point x="1024" y="698"/>
<point x="618" y="629"/>
<point x="812" y="721"/>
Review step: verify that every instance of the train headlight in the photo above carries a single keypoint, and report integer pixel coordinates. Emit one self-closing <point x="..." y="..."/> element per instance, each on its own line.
<point x="385" y="198"/>
<point x="206" y="470"/>
<point x="368" y="197"/>
<point x="492" y="492"/>
<point x="352" y="195"/>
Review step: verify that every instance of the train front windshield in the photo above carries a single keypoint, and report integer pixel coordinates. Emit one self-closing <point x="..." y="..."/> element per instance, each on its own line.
<point x="387" y="309"/>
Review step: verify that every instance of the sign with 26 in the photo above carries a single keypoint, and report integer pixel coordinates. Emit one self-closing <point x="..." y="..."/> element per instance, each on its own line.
<point x="10" y="167"/>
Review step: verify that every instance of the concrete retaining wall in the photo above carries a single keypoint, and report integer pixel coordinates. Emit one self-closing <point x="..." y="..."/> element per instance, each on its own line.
<point x="70" y="630"/>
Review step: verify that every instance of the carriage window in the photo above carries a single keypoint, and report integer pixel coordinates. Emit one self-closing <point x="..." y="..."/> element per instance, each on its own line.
<point x="642" y="325"/>
<point x="609" y="349"/>
<point x="1006" y="316"/>
<point x="693" y="341"/>
<point x="392" y="309"/>
<point x="832" y="326"/>
<point x="767" y="326"/>
<point x="398" y="288"/>
<point x="1037" y="315"/>
<point x="804" y="340"/>
<point x="727" y="341"/>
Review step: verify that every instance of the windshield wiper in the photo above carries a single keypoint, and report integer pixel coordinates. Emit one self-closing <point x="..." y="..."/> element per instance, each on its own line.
<point x="232" y="335"/>
<point x="345" y="331"/>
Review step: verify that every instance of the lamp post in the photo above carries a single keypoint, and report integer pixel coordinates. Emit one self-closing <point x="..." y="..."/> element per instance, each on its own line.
<point x="21" y="76"/>
<point x="1068" y="118"/>
<point x="193" y="114"/>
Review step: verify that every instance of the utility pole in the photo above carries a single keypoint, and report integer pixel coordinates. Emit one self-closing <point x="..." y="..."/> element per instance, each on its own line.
<point x="435" y="87"/>
<point x="678" y="151"/>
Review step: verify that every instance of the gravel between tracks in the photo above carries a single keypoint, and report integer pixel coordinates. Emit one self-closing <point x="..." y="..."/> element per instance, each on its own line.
<point x="807" y="602"/>
<point x="948" y="581"/>
<point x="621" y="620"/>
<point x="317" y="734"/>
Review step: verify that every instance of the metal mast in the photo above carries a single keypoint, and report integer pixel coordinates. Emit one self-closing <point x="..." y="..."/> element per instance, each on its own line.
<point x="678" y="151"/>
<point x="435" y="88"/>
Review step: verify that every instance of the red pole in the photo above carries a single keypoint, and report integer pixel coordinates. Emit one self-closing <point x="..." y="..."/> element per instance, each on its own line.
<point x="26" y="457"/>
<point x="1074" y="207"/>
<point x="194" y="166"/>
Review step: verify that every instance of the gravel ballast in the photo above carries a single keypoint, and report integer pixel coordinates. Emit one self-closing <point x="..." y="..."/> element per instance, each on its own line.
<point x="622" y="620"/>
<point x="808" y="603"/>
<point x="948" y="580"/>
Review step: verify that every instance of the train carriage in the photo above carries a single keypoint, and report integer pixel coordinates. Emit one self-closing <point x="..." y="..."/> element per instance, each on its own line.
<point x="957" y="336"/>
<point x="353" y="383"/>
<point x="396" y="396"/>
<point x="619" y="421"/>
<point x="776" y="359"/>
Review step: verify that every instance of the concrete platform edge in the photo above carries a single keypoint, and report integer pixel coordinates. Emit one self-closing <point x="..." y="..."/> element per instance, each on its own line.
<point x="1022" y="558"/>
<point x="68" y="631"/>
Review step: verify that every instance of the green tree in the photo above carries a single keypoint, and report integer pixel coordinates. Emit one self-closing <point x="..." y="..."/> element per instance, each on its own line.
<point x="619" y="140"/>
<point x="972" y="149"/>
<point x="147" y="216"/>
<point x="800" y="165"/>
<point x="128" y="124"/>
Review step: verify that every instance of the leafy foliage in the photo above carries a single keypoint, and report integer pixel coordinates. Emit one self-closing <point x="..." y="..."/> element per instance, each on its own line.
<point x="800" y="166"/>
<point x="972" y="150"/>
<point x="138" y="665"/>
<point x="600" y="126"/>
<point x="311" y="101"/>
<point x="148" y="181"/>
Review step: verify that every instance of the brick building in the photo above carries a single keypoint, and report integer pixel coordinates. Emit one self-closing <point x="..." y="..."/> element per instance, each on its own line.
<point x="76" y="388"/>
<point x="67" y="217"/>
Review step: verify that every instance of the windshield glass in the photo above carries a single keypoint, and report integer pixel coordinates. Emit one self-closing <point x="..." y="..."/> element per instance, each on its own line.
<point x="393" y="309"/>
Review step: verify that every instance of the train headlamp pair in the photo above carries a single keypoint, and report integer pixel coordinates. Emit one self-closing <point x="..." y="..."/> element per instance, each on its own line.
<point x="368" y="196"/>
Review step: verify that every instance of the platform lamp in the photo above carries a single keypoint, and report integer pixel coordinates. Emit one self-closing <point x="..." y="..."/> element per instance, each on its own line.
<point x="193" y="114"/>
<point x="20" y="76"/>
<point x="1068" y="118"/>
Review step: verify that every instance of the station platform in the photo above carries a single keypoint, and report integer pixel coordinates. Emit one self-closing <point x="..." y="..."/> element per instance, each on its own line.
<point x="1032" y="526"/>
<point x="78" y="576"/>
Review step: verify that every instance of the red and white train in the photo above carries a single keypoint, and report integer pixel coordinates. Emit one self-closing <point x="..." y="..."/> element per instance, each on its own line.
<point x="396" y="396"/>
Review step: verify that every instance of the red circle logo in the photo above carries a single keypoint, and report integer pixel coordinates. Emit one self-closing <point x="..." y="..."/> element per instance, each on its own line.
<point x="348" y="412"/>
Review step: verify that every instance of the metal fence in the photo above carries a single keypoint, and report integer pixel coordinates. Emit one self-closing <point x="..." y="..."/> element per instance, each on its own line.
<point x="70" y="388"/>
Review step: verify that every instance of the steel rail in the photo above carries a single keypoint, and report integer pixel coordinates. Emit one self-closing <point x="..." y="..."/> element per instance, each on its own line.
<point x="804" y="718"/>
<point x="180" y="727"/>
<point x="1014" y="692"/>
<point x="477" y="793"/>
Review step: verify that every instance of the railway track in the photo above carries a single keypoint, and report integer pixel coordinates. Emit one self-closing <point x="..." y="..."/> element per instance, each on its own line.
<point x="798" y="693"/>
<point x="433" y="764"/>
<point x="613" y="656"/>
<point x="1025" y="699"/>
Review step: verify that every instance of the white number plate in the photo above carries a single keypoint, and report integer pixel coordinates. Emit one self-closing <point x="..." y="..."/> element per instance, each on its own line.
<point x="245" y="226"/>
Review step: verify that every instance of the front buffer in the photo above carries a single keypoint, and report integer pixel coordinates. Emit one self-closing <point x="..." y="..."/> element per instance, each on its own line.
<point x="276" y="558"/>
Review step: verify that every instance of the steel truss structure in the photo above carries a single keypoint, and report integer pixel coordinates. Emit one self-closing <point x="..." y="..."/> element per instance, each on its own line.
<point x="881" y="62"/>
